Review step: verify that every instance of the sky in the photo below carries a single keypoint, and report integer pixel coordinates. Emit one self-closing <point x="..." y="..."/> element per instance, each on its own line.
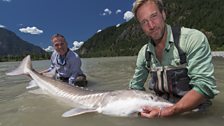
<point x="36" y="21"/>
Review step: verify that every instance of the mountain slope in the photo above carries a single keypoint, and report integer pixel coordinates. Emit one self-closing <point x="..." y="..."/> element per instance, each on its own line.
<point x="12" y="45"/>
<point x="115" y="41"/>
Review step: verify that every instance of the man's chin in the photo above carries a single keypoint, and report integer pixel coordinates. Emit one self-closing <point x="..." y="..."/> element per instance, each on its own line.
<point x="156" y="38"/>
<point x="61" y="53"/>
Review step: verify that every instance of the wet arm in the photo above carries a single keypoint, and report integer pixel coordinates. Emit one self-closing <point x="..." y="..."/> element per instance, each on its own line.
<point x="189" y="102"/>
<point x="75" y="67"/>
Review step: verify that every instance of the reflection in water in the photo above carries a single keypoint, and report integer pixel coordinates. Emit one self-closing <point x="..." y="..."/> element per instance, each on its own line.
<point x="19" y="107"/>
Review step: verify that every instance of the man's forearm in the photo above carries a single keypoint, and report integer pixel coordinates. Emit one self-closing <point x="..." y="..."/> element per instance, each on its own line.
<point x="188" y="102"/>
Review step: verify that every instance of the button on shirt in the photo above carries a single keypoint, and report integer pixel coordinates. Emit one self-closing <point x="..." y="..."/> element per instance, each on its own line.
<point x="199" y="61"/>
<point x="67" y="67"/>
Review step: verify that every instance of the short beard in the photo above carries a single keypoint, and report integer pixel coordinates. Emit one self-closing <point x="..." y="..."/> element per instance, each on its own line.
<point x="162" y="35"/>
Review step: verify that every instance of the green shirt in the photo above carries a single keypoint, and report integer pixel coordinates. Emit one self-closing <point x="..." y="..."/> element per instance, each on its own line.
<point x="199" y="61"/>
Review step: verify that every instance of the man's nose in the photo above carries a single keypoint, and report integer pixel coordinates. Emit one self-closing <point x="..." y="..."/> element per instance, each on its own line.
<point x="150" y="24"/>
<point x="59" y="47"/>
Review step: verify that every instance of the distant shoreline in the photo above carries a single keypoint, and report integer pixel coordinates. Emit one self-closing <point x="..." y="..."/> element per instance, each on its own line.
<point x="218" y="53"/>
<point x="19" y="58"/>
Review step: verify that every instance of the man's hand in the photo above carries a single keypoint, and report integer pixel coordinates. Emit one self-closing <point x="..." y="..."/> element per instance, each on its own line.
<point x="157" y="112"/>
<point x="188" y="102"/>
<point x="151" y="112"/>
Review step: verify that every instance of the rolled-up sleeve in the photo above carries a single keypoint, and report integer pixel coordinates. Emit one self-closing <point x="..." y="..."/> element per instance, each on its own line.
<point x="52" y="66"/>
<point x="200" y="67"/>
<point x="141" y="72"/>
<point x="74" y="68"/>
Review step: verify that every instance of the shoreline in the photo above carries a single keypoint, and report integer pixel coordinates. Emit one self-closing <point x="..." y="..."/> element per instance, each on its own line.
<point x="214" y="54"/>
<point x="218" y="54"/>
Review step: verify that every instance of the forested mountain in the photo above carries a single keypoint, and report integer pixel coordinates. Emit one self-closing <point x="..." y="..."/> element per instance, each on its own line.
<point x="127" y="39"/>
<point x="124" y="40"/>
<point x="204" y="15"/>
<point x="12" y="46"/>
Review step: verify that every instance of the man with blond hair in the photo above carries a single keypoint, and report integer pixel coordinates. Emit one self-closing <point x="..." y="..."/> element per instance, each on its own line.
<point x="178" y="59"/>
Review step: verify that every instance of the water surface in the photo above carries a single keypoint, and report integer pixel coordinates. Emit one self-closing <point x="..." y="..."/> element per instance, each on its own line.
<point x="19" y="107"/>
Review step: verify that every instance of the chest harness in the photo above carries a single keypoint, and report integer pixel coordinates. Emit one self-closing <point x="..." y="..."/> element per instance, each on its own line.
<point x="169" y="82"/>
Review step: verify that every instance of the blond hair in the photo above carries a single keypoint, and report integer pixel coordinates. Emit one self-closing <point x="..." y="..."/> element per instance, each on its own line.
<point x="139" y="3"/>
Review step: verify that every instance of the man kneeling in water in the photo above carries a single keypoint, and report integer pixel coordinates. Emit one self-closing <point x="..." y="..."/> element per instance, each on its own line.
<point x="66" y="63"/>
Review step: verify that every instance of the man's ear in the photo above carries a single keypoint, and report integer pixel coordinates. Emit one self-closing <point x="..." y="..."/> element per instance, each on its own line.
<point x="164" y="15"/>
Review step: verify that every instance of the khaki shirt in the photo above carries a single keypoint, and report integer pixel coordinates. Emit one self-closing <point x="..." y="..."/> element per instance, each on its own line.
<point x="199" y="61"/>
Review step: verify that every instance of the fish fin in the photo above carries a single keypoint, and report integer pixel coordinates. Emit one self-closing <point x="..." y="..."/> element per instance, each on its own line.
<point x="23" y="68"/>
<point x="38" y="91"/>
<point x="77" y="111"/>
<point x="50" y="74"/>
<point x="32" y="84"/>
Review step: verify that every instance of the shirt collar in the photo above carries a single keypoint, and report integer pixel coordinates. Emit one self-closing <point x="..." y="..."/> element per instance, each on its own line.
<point x="170" y="38"/>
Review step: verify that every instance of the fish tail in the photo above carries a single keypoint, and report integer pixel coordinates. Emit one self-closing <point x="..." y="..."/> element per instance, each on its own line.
<point x="24" y="67"/>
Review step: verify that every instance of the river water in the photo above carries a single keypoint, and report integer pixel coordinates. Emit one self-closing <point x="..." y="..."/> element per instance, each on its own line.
<point x="20" y="107"/>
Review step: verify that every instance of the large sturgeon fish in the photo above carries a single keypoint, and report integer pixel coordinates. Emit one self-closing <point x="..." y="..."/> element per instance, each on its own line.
<point x="116" y="103"/>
